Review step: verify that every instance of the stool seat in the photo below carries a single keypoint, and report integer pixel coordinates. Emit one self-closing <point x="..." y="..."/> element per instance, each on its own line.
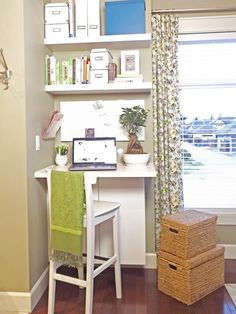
<point x="103" y="207"/>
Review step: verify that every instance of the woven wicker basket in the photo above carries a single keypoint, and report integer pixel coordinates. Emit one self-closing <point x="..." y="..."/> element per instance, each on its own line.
<point x="192" y="279"/>
<point x="188" y="233"/>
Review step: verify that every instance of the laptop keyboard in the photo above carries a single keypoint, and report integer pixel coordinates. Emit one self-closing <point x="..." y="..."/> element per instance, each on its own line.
<point x="86" y="166"/>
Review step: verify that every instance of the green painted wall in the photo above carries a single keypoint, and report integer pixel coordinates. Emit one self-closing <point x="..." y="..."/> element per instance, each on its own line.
<point x="23" y="107"/>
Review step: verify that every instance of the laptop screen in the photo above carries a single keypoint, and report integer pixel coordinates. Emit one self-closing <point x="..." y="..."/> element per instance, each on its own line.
<point x="94" y="150"/>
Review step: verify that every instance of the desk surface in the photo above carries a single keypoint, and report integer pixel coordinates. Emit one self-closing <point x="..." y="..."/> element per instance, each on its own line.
<point x="122" y="171"/>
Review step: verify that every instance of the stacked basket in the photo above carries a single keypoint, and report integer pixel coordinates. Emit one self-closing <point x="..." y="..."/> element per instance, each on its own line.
<point x="190" y="265"/>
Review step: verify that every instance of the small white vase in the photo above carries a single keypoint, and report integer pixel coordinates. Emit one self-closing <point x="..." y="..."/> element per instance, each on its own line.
<point x="61" y="160"/>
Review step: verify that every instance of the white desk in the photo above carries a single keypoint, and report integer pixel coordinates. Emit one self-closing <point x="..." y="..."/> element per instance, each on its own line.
<point x="125" y="185"/>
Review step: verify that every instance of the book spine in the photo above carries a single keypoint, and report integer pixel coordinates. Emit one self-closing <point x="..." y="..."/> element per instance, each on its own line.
<point x="84" y="65"/>
<point x="64" y="72"/>
<point x="88" y="71"/>
<point x="47" y="69"/>
<point x="57" y="72"/>
<point x="52" y="70"/>
<point x="73" y="71"/>
<point x="78" y="70"/>
<point x="60" y="72"/>
<point x="70" y="71"/>
<point x="112" y="70"/>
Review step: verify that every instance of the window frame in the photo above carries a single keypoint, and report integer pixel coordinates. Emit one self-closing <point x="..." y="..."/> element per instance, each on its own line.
<point x="204" y="29"/>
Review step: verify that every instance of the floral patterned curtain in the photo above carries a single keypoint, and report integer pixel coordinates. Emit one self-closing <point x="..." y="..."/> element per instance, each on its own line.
<point x="168" y="196"/>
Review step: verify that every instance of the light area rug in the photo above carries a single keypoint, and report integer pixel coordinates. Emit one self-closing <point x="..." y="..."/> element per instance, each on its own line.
<point x="231" y="288"/>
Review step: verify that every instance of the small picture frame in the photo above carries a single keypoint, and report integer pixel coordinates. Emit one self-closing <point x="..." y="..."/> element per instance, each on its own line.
<point x="129" y="62"/>
<point x="89" y="132"/>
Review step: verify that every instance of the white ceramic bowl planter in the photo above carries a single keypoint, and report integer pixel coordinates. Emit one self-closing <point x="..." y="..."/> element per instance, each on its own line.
<point x="136" y="159"/>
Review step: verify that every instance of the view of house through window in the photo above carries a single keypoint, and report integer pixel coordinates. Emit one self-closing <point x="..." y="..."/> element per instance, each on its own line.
<point x="207" y="72"/>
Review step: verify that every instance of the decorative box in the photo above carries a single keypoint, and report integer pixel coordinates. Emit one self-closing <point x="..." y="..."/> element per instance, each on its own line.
<point x="100" y="59"/>
<point x="56" y="13"/>
<point x="53" y="31"/>
<point x="98" y="76"/>
<point x="125" y="17"/>
<point x="188" y="233"/>
<point x="190" y="280"/>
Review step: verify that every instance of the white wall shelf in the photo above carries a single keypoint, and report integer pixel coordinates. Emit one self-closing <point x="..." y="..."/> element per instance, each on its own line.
<point x="128" y="41"/>
<point x="144" y="87"/>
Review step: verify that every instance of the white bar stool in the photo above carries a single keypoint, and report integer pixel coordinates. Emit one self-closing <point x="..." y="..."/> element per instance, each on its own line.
<point x="96" y="213"/>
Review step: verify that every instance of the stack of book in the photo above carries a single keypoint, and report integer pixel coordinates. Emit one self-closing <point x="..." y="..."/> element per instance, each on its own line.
<point x="129" y="79"/>
<point x="70" y="71"/>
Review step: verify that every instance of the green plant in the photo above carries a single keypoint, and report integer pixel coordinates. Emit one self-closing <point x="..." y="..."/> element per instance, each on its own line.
<point x="133" y="119"/>
<point x="62" y="149"/>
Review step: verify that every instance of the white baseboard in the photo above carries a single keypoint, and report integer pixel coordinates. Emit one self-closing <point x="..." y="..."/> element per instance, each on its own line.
<point x="39" y="288"/>
<point x="230" y="250"/>
<point x="15" y="302"/>
<point x="23" y="302"/>
<point x="151" y="260"/>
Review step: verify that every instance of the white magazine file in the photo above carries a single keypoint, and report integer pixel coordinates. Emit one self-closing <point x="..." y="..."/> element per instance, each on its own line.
<point x="81" y="18"/>
<point x="93" y="18"/>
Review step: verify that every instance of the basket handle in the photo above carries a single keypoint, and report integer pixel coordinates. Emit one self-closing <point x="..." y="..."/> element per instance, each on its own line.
<point x="172" y="266"/>
<point x="171" y="229"/>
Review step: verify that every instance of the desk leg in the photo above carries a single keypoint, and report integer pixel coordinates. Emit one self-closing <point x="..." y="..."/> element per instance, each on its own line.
<point x="130" y="193"/>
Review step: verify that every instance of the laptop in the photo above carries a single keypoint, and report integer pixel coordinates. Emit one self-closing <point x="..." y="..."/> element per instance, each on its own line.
<point x="93" y="153"/>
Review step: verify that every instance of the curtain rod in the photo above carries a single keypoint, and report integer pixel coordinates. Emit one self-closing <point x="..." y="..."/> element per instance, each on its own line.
<point x="202" y="10"/>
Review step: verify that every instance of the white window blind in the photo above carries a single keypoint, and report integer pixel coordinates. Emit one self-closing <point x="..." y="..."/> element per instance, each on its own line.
<point x="207" y="63"/>
<point x="207" y="71"/>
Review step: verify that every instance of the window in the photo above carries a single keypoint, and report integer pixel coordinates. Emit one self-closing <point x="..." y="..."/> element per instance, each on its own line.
<point x="207" y="71"/>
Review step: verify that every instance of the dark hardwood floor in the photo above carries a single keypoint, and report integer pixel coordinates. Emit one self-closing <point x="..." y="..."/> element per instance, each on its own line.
<point x="140" y="296"/>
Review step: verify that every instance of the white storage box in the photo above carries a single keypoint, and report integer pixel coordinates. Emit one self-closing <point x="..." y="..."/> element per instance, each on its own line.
<point x="56" y="13"/>
<point x="56" y="31"/>
<point x="98" y="76"/>
<point x="100" y="59"/>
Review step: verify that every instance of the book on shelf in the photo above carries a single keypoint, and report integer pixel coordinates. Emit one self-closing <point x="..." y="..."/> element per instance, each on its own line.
<point x="129" y="79"/>
<point x="77" y="70"/>
<point x="58" y="71"/>
<point x="65" y="72"/>
<point x="130" y="75"/>
<point x="112" y="70"/>
<point x="52" y="70"/>
<point x="47" y="69"/>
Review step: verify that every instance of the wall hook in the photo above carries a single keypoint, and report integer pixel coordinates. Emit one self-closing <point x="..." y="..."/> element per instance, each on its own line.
<point x="5" y="75"/>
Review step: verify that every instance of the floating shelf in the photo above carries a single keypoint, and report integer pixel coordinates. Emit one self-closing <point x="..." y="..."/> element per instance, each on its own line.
<point x="129" y="41"/>
<point x="144" y="87"/>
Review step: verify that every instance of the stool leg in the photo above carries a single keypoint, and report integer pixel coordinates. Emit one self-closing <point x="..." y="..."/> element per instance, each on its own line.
<point x="81" y="274"/>
<point x="51" y="288"/>
<point x="90" y="269"/>
<point x="116" y="252"/>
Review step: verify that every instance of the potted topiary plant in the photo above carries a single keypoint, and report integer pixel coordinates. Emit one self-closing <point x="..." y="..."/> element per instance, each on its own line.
<point x="61" y="154"/>
<point x="132" y="120"/>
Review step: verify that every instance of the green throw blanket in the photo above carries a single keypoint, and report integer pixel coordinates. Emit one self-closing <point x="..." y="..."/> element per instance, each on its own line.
<point x="67" y="210"/>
